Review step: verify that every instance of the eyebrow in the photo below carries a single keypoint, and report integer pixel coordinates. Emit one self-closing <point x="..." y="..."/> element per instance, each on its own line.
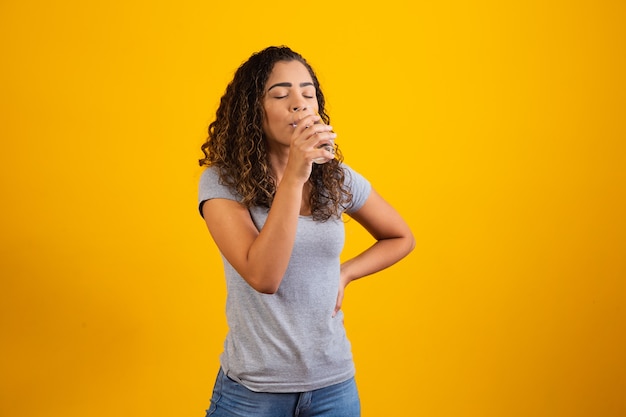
<point x="305" y="84"/>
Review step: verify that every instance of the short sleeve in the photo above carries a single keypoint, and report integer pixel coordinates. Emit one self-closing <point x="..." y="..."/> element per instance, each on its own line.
<point x="359" y="186"/>
<point x="210" y="186"/>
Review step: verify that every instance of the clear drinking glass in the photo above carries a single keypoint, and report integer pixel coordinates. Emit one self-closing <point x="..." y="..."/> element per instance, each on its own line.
<point x="301" y="113"/>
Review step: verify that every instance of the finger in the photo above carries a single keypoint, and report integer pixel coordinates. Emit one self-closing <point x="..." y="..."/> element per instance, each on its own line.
<point x="338" y="303"/>
<point x="307" y="120"/>
<point x="325" y="138"/>
<point x="326" y="142"/>
<point x="321" y="132"/>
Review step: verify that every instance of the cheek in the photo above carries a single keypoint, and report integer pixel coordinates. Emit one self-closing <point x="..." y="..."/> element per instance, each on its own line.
<point x="268" y="122"/>
<point x="272" y="123"/>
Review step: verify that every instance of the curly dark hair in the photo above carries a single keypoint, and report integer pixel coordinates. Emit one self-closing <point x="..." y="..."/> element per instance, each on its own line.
<point x="237" y="146"/>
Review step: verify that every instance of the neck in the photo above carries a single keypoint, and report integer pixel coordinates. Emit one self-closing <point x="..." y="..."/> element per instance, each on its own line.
<point x="278" y="159"/>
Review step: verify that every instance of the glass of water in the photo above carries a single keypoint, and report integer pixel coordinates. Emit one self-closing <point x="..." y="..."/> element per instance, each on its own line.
<point x="299" y="114"/>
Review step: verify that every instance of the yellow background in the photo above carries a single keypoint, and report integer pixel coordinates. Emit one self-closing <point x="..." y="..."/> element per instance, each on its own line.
<point x="496" y="128"/>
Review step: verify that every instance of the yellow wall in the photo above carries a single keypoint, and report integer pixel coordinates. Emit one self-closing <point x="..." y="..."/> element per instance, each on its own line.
<point x="497" y="128"/>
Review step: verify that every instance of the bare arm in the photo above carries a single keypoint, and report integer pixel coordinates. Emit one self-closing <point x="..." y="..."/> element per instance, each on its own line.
<point x="261" y="258"/>
<point x="394" y="240"/>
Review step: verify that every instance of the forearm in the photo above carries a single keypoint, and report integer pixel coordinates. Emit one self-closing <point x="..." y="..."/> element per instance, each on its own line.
<point x="394" y="239"/>
<point x="381" y="255"/>
<point x="269" y="254"/>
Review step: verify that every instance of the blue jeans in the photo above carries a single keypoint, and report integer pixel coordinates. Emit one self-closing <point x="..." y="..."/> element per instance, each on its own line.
<point x="231" y="399"/>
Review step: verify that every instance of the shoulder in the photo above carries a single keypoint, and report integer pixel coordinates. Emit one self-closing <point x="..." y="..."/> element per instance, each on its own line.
<point x="211" y="186"/>
<point x="359" y="186"/>
<point x="210" y="177"/>
<point x="353" y="177"/>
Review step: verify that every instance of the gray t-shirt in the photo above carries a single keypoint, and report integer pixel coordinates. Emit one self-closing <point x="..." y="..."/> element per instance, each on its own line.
<point x="288" y="341"/>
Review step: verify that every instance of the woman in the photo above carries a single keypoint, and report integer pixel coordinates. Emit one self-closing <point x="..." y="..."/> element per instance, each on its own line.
<point x="276" y="217"/>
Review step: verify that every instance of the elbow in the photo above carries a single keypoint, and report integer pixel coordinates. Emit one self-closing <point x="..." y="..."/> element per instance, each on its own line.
<point x="411" y="243"/>
<point x="408" y="243"/>
<point x="264" y="285"/>
<point x="266" y="290"/>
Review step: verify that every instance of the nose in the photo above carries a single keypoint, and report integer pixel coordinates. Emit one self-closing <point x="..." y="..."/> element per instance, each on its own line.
<point x="299" y="108"/>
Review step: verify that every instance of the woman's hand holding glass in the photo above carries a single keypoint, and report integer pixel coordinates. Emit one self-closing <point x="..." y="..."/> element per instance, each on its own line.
<point x="324" y="139"/>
